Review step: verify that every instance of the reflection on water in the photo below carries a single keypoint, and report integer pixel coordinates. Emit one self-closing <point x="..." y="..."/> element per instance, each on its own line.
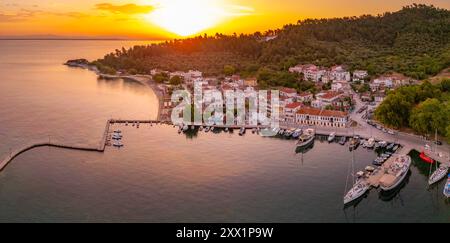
<point x="160" y="175"/>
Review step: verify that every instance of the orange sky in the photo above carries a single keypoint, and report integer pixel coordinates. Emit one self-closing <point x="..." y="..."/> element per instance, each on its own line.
<point x="152" y="19"/>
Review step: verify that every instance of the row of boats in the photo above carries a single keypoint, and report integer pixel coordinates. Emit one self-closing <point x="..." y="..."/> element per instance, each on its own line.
<point x="117" y="137"/>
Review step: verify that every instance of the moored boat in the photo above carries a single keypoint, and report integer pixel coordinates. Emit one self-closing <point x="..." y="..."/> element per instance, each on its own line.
<point x="343" y="140"/>
<point x="358" y="190"/>
<point x="306" y="138"/>
<point x="118" y="144"/>
<point x="242" y="131"/>
<point x="438" y="174"/>
<point x="297" y="133"/>
<point x="331" y="137"/>
<point x="370" y="143"/>
<point x="447" y="188"/>
<point x="395" y="173"/>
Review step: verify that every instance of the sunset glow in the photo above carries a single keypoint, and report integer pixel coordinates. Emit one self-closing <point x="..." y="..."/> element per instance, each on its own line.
<point x="162" y="19"/>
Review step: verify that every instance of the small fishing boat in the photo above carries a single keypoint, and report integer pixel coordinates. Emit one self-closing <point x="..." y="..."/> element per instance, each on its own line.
<point x="354" y="142"/>
<point x="396" y="147"/>
<point x="118" y="144"/>
<point x="390" y="146"/>
<point x="297" y="133"/>
<point x="288" y="133"/>
<point x="200" y="128"/>
<point x="447" y="188"/>
<point x="331" y="137"/>
<point x="438" y="175"/>
<point x="281" y="132"/>
<point x="242" y="131"/>
<point x="370" y="143"/>
<point x="207" y="129"/>
<point x="185" y="128"/>
<point x="382" y="144"/>
<point x="343" y="140"/>
<point x="212" y="129"/>
<point x="425" y="158"/>
<point x="226" y="129"/>
<point x="192" y="127"/>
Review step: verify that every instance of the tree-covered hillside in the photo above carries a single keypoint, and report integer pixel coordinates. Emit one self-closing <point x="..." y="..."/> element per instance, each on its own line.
<point x="414" y="41"/>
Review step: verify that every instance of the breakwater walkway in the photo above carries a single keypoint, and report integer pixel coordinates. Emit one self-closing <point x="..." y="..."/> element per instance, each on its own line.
<point x="48" y="143"/>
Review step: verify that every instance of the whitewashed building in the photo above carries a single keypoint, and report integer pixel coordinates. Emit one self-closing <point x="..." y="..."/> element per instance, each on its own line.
<point x="320" y="117"/>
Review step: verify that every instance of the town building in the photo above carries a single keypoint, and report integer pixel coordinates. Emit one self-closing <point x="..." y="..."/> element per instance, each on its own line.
<point x="321" y="117"/>
<point x="290" y="110"/>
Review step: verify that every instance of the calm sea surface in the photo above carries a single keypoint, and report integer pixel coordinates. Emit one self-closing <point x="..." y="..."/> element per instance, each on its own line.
<point x="161" y="176"/>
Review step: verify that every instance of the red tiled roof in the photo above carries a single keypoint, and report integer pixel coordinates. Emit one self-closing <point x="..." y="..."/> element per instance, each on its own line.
<point x="293" y="105"/>
<point x="303" y="94"/>
<point x="288" y="90"/>
<point x="319" y="112"/>
<point x="330" y="95"/>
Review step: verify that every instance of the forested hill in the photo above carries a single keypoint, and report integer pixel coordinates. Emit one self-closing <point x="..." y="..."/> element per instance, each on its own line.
<point x="414" y="41"/>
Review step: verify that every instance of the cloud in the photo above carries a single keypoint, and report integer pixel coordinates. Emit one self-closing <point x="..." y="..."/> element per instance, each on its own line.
<point x="125" y="9"/>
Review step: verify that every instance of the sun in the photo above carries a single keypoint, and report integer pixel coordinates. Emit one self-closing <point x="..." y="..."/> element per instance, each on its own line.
<point x="187" y="17"/>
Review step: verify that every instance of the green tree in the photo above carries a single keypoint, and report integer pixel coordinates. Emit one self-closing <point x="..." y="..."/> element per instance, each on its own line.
<point x="429" y="116"/>
<point x="175" y="80"/>
<point x="229" y="70"/>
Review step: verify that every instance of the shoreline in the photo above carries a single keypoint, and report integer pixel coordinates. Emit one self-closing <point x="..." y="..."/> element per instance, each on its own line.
<point x="145" y="80"/>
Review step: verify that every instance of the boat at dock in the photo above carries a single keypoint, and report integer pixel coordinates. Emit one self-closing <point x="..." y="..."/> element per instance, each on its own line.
<point x="288" y="133"/>
<point x="297" y="133"/>
<point x="331" y="137"/>
<point x="185" y="128"/>
<point x="358" y="190"/>
<point x="118" y="144"/>
<point x="354" y="142"/>
<point x="226" y="129"/>
<point x="306" y="138"/>
<point x="207" y="129"/>
<point x="438" y="174"/>
<point x="370" y="143"/>
<point x="281" y="132"/>
<point x="343" y="140"/>
<point x="242" y="131"/>
<point x="447" y="188"/>
<point x="395" y="173"/>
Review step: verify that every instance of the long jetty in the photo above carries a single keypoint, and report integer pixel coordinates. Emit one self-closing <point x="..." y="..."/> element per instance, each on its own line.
<point x="99" y="148"/>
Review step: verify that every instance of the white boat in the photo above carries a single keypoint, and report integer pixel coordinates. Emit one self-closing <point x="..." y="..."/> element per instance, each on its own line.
<point x="242" y="131"/>
<point x="226" y="129"/>
<point x="331" y="137"/>
<point x="212" y="129"/>
<point x="382" y="144"/>
<point x="192" y="127"/>
<point x="306" y="138"/>
<point x="370" y="143"/>
<point x="276" y="130"/>
<point x="185" y="128"/>
<point x="117" y="136"/>
<point x="207" y="129"/>
<point x="343" y="140"/>
<point x="358" y="190"/>
<point x="281" y="132"/>
<point x="118" y="144"/>
<point x="447" y="188"/>
<point x="438" y="175"/>
<point x="395" y="173"/>
<point x="297" y="133"/>
<point x="201" y="128"/>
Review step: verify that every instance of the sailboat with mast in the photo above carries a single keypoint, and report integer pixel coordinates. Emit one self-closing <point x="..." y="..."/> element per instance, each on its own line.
<point x="360" y="185"/>
<point x="439" y="173"/>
